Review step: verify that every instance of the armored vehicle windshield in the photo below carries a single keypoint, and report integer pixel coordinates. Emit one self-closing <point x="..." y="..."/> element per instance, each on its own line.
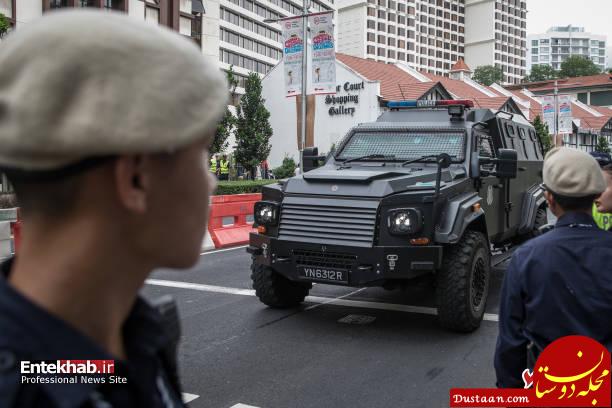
<point x="404" y="144"/>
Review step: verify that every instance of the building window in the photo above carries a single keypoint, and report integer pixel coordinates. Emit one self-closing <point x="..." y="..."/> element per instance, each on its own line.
<point x="58" y="3"/>
<point x="151" y="14"/>
<point x="371" y="50"/>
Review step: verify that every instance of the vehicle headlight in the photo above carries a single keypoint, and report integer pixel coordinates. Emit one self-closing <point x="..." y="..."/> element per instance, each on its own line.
<point x="405" y="221"/>
<point x="266" y="213"/>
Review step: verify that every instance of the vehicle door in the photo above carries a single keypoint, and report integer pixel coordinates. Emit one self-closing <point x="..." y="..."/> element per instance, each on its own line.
<point x="491" y="190"/>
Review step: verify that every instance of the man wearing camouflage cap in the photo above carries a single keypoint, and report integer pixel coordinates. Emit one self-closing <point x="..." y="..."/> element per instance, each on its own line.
<point x="558" y="284"/>
<point x="105" y="124"/>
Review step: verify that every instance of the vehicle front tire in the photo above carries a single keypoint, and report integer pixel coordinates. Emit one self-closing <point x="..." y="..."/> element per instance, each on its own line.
<point x="275" y="290"/>
<point x="463" y="283"/>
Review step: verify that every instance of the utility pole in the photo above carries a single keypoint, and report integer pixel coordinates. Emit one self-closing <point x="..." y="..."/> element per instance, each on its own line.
<point x="304" y="81"/>
<point x="305" y="15"/>
<point x="556" y="112"/>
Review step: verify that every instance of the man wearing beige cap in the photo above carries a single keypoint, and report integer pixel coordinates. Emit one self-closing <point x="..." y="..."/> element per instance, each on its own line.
<point x="560" y="283"/>
<point x="105" y="124"/>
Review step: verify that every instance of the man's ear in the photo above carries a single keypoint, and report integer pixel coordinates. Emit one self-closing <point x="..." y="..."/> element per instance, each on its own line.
<point x="552" y="204"/>
<point x="132" y="182"/>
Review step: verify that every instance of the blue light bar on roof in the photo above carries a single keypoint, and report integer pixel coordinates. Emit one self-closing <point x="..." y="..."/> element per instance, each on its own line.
<point x="424" y="103"/>
<point x="402" y="104"/>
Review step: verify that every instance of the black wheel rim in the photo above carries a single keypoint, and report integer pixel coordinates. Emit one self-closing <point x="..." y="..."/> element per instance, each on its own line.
<point x="479" y="284"/>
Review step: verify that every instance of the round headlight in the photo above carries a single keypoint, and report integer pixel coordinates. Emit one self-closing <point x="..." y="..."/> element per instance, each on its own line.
<point x="405" y="221"/>
<point x="401" y="222"/>
<point x="266" y="213"/>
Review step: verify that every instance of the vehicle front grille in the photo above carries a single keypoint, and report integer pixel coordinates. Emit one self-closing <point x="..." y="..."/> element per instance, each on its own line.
<point x="324" y="259"/>
<point x="328" y="221"/>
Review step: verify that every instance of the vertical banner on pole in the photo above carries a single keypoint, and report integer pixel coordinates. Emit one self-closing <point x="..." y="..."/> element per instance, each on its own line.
<point x="323" y="54"/>
<point x="293" y="49"/>
<point x="565" y="114"/>
<point x="548" y="112"/>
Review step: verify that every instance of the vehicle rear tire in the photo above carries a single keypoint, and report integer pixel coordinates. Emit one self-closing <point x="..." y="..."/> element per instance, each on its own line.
<point x="462" y="284"/>
<point x="541" y="220"/>
<point x="275" y="290"/>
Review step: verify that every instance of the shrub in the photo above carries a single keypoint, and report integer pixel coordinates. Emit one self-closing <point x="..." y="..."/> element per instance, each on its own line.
<point x="287" y="169"/>
<point x="241" y="187"/>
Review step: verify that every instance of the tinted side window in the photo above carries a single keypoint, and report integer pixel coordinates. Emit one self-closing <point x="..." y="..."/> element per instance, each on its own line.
<point x="536" y="146"/>
<point x="510" y="135"/>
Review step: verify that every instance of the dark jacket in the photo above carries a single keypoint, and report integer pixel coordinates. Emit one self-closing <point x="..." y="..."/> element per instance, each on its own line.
<point x="556" y="285"/>
<point x="29" y="333"/>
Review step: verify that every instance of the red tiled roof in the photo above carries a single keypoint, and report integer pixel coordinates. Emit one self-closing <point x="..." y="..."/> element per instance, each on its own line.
<point x="460" y="66"/>
<point x="405" y="91"/>
<point x="457" y="88"/>
<point x="490" y="103"/>
<point x="566" y="83"/>
<point x="395" y="83"/>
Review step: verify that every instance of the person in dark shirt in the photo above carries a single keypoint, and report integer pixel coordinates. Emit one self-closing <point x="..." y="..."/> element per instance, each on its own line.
<point x="560" y="283"/>
<point x="105" y="124"/>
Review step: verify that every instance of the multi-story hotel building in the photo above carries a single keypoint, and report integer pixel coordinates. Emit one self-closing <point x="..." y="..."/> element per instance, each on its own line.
<point x="431" y="35"/>
<point x="559" y="43"/>
<point x="426" y="34"/>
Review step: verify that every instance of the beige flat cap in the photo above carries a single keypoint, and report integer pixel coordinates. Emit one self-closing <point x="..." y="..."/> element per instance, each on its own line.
<point x="572" y="173"/>
<point x="80" y="84"/>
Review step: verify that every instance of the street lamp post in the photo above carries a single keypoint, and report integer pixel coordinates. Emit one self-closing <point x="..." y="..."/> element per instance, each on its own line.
<point x="304" y="16"/>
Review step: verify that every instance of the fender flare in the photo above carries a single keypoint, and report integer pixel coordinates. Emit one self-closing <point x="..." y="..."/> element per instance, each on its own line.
<point x="532" y="200"/>
<point x="457" y="216"/>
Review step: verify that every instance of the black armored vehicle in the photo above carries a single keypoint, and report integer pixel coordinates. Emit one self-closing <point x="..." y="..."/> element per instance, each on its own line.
<point x="431" y="187"/>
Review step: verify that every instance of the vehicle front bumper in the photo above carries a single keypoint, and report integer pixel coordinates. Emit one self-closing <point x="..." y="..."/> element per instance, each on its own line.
<point x="366" y="266"/>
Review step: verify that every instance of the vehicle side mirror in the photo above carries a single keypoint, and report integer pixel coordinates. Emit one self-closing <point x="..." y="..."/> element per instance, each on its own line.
<point x="507" y="163"/>
<point x="475" y="166"/>
<point x="311" y="158"/>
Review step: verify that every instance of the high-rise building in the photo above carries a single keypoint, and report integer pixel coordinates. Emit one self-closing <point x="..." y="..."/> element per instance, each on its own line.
<point x="232" y="32"/>
<point x="496" y="34"/>
<point x="432" y="35"/>
<point x="426" y="34"/>
<point x="559" y="43"/>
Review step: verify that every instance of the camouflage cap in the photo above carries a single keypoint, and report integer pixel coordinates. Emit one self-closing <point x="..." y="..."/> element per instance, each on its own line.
<point x="81" y="84"/>
<point x="572" y="173"/>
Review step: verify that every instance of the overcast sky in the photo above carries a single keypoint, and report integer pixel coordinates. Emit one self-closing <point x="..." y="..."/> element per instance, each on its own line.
<point x="594" y="15"/>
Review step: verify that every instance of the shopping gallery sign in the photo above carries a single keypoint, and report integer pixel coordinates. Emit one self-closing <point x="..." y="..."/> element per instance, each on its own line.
<point x="573" y="371"/>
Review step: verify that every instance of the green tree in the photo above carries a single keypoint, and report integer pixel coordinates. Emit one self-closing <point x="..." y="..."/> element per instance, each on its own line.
<point x="543" y="134"/>
<point x="488" y="74"/>
<point x="228" y="122"/>
<point x="5" y="25"/>
<point x="541" y="73"/>
<point x="253" y="130"/>
<point x="576" y="66"/>
<point x="602" y="145"/>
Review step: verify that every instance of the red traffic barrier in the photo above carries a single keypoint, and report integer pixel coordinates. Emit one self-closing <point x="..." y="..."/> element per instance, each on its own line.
<point x="237" y="206"/>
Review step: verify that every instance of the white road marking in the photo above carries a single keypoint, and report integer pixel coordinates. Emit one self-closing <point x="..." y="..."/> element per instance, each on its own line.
<point x="241" y="405"/>
<point x="198" y="286"/>
<point x="222" y="250"/>
<point x="318" y="300"/>
<point x="187" y="398"/>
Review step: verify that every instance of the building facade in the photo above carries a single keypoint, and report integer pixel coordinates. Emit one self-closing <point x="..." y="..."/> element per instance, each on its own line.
<point x="496" y="34"/>
<point x="557" y="44"/>
<point x="183" y="16"/>
<point x="428" y="35"/>
<point x="431" y="35"/>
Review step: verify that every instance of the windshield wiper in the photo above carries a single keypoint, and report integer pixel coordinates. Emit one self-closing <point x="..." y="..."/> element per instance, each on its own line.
<point x="370" y="156"/>
<point x="425" y="158"/>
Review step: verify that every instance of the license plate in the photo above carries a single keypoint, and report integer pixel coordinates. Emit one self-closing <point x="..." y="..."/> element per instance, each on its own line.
<point x="323" y="274"/>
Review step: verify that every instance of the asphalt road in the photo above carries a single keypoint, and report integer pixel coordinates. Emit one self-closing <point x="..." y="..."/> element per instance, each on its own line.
<point x="390" y="353"/>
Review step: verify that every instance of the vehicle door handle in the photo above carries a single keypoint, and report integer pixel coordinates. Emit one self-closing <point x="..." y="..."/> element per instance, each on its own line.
<point x="522" y="168"/>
